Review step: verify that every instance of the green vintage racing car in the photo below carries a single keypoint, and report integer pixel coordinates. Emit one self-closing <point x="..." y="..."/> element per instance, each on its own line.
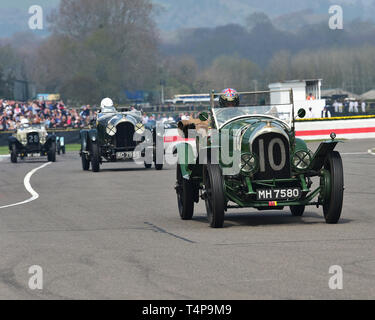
<point x="250" y="157"/>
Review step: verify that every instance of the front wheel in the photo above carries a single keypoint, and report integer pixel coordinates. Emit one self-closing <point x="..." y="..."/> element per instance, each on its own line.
<point x="215" y="196"/>
<point x="158" y="167"/>
<point x="51" y="154"/>
<point x="13" y="154"/>
<point x="95" y="157"/>
<point x="185" y="196"/>
<point x="332" y="206"/>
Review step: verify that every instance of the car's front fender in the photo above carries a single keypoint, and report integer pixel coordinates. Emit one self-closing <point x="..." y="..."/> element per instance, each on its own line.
<point x="186" y="157"/>
<point x="83" y="137"/>
<point x="13" y="140"/>
<point x="93" y="135"/>
<point x="320" y="155"/>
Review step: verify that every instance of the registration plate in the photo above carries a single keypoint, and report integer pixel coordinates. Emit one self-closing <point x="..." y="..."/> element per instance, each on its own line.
<point x="128" y="155"/>
<point x="279" y="194"/>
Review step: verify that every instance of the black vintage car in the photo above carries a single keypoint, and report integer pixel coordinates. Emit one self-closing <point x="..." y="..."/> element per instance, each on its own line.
<point x="32" y="141"/>
<point x="117" y="136"/>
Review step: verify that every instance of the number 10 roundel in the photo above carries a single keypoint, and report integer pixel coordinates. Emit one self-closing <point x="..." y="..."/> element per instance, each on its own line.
<point x="274" y="157"/>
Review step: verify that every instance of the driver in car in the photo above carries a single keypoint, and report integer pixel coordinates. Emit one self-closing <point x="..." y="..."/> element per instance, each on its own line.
<point x="229" y="98"/>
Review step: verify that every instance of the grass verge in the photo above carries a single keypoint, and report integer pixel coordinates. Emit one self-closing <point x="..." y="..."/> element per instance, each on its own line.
<point x="69" y="147"/>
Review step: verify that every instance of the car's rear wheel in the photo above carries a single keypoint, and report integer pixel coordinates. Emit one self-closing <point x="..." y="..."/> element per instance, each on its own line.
<point x="63" y="150"/>
<point x="148" y="165"/>
<point x="185" y="196"/>
<point x="215" y="196"/>
<point x="95" y="157"/>
<point x="332" y="206"/>
<point x="51" y="154"/>
<point x="13" y="154"/>
<point x="297" y="211"/>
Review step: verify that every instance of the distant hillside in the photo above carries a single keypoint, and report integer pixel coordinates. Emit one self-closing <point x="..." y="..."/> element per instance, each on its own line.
<point x="177" y="14"/>
<point x="210" y="13"/>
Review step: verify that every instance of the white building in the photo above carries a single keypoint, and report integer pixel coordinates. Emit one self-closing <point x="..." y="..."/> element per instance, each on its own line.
<point x="302" y="89"/>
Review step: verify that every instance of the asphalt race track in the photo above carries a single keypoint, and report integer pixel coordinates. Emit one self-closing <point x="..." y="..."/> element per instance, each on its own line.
<point x="117" y="235"/>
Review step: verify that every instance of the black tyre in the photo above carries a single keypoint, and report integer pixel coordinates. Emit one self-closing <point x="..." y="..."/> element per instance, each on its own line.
<point x="185" y="196"/>
<point x="158" y="167"/>
<point x="148" y="165"/>
<point x="95" y="157"/>
<point x="297" y="211"/>
<point x="85" y="162"/>
<point x="13" y="154"/>
<point x="51" y="154"/>
<point x="63" y="150"/>
<point x="215" y="196"/>
<point x="333" y="205"/>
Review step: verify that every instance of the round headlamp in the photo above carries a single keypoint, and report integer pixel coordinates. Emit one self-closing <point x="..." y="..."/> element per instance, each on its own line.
<point x="139" y="128"/>
<point x="111" y="130"/>
<point x="249" y="163"/>
<point x="301" y="160"/>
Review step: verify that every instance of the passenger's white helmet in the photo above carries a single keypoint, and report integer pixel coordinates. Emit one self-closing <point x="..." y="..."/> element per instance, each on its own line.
<point x="106" y="103"/>
<point x="107" y="106"/>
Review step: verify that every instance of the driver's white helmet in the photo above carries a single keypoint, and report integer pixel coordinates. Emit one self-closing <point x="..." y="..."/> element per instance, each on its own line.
<point x="107" y="105"/>
<point x="25" y="122"/>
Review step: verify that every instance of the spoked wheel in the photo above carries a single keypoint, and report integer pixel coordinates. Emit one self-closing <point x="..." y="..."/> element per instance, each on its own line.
<point x="215" y="196"/>
<point x="51" y="154"/>
<point x="85" y="162"/>
<point x="185" y="196"/>
<point x="297" y="211"/>
<point x="332" y="206"/>
<point x="13" y="154"/>
<point x="95" y="157"/>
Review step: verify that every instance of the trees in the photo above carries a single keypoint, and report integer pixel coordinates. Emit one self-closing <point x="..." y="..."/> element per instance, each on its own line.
<point x="102" y="47"/>
<point x="232" y="71"/>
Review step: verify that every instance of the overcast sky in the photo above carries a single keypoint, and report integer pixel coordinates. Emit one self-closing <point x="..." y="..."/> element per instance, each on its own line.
<point x="191" y="13"/>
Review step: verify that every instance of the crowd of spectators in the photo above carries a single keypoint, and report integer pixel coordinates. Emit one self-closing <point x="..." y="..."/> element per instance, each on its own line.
<point x="54" y="115"/>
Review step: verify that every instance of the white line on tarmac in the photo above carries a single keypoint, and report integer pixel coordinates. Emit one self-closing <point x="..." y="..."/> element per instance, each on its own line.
<point x="26" y="182"/>
<point x="371" y="151"/>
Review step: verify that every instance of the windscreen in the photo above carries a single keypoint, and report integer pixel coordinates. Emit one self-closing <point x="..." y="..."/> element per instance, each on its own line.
<point x="223" y="115"/>
<point x="275" y="104"/>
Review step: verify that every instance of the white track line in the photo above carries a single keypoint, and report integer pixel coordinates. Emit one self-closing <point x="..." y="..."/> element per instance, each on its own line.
<point x="354" y="153"/>
<point x="371" y="151"/>
<point x="26" y="182"/>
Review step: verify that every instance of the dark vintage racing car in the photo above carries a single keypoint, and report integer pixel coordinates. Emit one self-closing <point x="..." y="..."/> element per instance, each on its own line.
<point x="32" y="140"/>
<point x="265" y="167"/>
<point x="115" y="137"/>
